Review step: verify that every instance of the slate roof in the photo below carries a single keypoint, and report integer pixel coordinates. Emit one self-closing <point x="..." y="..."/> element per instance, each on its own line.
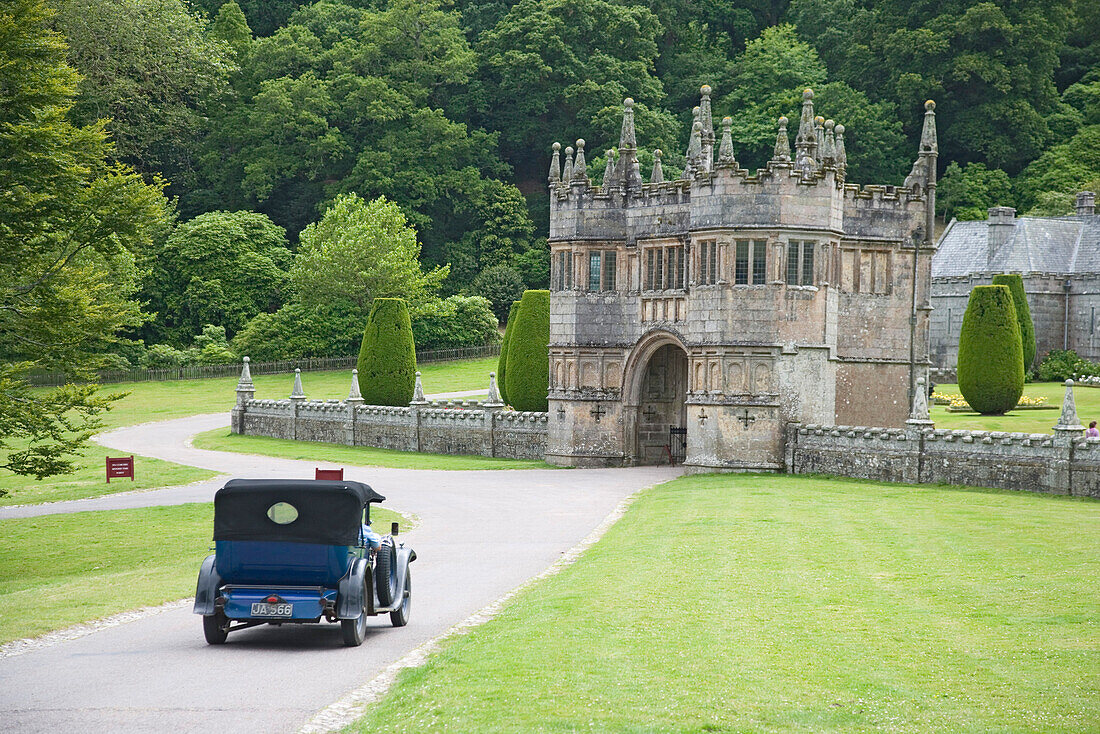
<point x="1063" y="245"/>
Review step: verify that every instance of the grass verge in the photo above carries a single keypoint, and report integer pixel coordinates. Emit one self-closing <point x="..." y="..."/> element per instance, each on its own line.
<point x="775" y="603"/>
<point x="56" y="572"/>
<point x="157" y="401"/>
<point x="1021" y="421"/>
<point x="220" y="439"/>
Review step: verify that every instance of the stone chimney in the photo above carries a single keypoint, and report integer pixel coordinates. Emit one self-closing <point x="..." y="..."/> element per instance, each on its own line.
<point x="1002" y="223"/>
<point x="1086" y="204"/>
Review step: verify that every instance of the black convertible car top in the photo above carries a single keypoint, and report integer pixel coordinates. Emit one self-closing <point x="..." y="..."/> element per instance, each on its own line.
<point x="325" y="512"/>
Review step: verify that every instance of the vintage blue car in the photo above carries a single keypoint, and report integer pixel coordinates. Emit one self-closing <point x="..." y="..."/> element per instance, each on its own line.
<point x="290" y="551"/>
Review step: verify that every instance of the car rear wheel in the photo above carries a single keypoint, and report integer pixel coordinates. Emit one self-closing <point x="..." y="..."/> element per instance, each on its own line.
<point x="400" y="616"/>
<point x="215" y="627"/>
<point x="354" y="631"/>
<point x="385" y="574"/>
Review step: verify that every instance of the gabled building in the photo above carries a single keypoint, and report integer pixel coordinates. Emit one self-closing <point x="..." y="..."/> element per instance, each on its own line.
<point x="1058" y="257"/>
<point x="692" y="319"/>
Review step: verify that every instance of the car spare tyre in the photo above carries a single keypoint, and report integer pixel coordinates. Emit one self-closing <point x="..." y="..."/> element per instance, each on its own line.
<point x="385" y="574"/>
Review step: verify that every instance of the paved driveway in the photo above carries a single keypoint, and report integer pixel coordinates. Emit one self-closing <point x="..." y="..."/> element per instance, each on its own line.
<point x="480" y="534"/>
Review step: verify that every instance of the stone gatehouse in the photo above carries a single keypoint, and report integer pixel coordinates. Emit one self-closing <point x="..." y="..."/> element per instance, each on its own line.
<point x="692" y="319"/>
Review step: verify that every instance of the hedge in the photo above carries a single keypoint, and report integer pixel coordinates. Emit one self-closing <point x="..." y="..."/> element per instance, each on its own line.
<point x="527" y="370"/>
<point x="1015" y="284"/>
<point x="387" y="359"/>
<point x="991" y="357"/>
<point x="502" y="363"/>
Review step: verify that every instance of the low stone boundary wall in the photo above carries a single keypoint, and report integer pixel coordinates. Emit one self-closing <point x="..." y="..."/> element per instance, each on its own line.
<point x="440" y="427"/>
<point x="1036" y="462"/>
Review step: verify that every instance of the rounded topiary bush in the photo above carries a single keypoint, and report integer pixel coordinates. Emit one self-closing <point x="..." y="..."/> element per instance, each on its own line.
<point x="387" y="359"/>
<point x="1015" y="284"/>
<point x="527" y="369"/>
<point x="991" y="358"/>
<point x="502" y="363"/>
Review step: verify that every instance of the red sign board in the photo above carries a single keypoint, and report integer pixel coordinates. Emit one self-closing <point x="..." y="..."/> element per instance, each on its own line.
<point x="337" y="474"/>
<point x="120" y="468"/>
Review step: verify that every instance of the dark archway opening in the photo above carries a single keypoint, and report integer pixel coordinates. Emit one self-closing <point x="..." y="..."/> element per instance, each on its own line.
<point x="662" y="415"/>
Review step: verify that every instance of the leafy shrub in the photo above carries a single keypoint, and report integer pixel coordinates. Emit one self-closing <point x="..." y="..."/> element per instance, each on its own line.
<point x="163" y="356"/>
<point x="502" y="363"/>
<point x="1023" y="314"/>
<point x="502" y="285"/>
<point x="991" y="357"/>
<point x="296" y="330"/>
<point x="1064" y="364"/>
<point x="460" y="321"/>
<point x="528" y="366"/>
<point x="387" y="359"/>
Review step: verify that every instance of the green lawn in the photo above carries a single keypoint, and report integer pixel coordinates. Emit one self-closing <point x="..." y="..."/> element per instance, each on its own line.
<point x="55" y="571"/>
<point x="220" y="439"/>
<point x="156" y="401"/>
<point x="1021" y="421"/>
<point x="773" y="603"/>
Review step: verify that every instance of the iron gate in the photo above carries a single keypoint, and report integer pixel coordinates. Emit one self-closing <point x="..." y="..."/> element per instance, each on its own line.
<point x="677" y="444"/>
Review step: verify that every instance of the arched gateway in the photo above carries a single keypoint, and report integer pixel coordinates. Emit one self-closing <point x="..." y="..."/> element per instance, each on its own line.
<point x="728" y="303"/>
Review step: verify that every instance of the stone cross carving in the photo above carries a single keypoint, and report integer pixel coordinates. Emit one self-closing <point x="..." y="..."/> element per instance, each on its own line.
<point x="649" y="413"/>
<point x="598" y="411"/>
<point x="746" y="419"/>
<point x="1068" y="422"/>
<point x="702" y="416"/>
<point x="918" y="416"/>
<point x="418" y="392"/>
<point x="297" y="394"/>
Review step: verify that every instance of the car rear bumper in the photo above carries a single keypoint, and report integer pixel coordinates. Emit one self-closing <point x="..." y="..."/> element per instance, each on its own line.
<point x="308" y="603"/>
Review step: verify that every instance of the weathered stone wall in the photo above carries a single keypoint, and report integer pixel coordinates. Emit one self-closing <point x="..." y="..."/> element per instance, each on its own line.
<point x="1034" y="462"/>
<point x="438" y="427"/>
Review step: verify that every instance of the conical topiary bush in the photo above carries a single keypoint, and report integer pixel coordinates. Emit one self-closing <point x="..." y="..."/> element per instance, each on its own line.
<point x="527" y="369"/>
<point x="1015" y="284"/>
<point x="502" y="363"/>
<point x="991" y="358"/>
<point x="387" y="359"/>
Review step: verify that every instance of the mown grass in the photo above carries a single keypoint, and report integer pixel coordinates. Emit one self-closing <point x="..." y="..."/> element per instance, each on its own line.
<point x="1021" y="421"/>
<point x="156" y="401"/>
<point x="58" y="570"/>
<point x="775" y="603"/>
<point x="221" y="439"/>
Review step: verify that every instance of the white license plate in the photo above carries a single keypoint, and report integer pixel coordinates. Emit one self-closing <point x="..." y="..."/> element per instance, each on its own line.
<point x="263" y="609"/>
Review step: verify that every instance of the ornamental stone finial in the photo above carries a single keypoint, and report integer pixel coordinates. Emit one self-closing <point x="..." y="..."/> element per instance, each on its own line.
<point x="246" y="376"/>
<point x="580" y="170"/>
<point x="627" y="139"/>
<point x="782" y="151"/>
<point x="928" y="144"/>
<point x="1068" y="423"/>
<point x="805" y="142"/>
<point x="657" y="175"/>
<point x="918" y="416"/>
<point x="555" y="165"/>
<point x="840" y="153"/>
<point x="695" y="150"/>
<point x="418" y="392"/>
<point x="494" y="400"/>
<point x="567" y="170"/>
<point x="610" y="174"/>
<point x="354" y="396"/>
<point x="297" y="394"/>
<point x="705" y="115"/>
<point x="819" y="139"/>
<point x="828" y="151"/>
<point x="725" y="149"/>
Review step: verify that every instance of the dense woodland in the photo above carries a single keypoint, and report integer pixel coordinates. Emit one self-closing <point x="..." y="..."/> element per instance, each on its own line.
<point x="301" y="159"/>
